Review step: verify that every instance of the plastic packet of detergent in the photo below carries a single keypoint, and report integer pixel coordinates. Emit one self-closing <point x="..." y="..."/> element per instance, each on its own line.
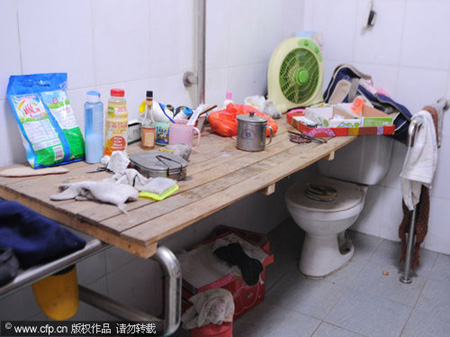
<point x="45" y="118"/>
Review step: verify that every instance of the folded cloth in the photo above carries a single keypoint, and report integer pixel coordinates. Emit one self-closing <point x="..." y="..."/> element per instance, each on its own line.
<point x="421" y="160"/>
<point x="130" y="177"/>
<point x="211" y="306"/>
<point x="34" y="238"/>
<point x="107" y="192"/>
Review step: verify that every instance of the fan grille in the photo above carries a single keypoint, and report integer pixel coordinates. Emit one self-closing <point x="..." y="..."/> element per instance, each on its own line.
<point x="299" y="75"/>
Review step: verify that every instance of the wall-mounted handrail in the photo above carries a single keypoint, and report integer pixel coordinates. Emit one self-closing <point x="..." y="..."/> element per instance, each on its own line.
<point x="29" y="276"/>
<point x="166" y="259"/>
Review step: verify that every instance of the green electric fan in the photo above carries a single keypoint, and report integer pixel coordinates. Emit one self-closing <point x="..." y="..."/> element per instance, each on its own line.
<point x="295" y="74"/>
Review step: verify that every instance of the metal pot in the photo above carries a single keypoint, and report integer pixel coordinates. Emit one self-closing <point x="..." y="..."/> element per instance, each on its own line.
<point x="251" y="135"/>
<point x="159" y="164"/>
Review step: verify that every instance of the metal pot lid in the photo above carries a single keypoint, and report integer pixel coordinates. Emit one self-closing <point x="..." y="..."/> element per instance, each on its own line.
<point x="158" y="161"/>
<point x="251" y="118"/>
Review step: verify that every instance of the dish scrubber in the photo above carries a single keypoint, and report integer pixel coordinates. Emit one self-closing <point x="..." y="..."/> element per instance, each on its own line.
<point x="159" y="188"/>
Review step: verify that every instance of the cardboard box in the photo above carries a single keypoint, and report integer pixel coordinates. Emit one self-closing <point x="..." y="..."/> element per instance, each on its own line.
<point x="341" y="116"/>
<point x="295" y="119"/>
<point x="199" y="274"/>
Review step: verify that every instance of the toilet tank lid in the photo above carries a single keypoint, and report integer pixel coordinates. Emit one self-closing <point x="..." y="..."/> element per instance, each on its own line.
<point x="348" y="196"/>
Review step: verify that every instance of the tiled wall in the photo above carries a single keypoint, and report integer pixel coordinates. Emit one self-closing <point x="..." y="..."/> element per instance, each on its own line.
<point x="407" y="53"/>
<point x="140" y="45"/>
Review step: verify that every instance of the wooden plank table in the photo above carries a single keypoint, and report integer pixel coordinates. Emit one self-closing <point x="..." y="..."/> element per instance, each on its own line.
<point x="218" y="175"/>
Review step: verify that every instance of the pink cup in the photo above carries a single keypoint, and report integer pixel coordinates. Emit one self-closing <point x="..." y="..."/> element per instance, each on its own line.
<point x="182" y="133"/>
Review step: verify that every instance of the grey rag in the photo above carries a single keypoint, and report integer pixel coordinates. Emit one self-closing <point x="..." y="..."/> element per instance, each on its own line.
<point x="116" y="194"/>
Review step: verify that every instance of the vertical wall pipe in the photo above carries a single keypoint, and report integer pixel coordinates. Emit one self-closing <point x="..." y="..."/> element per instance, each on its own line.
<point x="201" y="31"/>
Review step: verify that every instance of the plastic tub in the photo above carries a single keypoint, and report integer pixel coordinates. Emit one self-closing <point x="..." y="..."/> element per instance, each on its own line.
<point x="224" y="330"/>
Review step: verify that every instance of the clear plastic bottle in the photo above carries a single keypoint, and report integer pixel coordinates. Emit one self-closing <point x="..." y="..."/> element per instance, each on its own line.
<point x="93" y="127"/>
<point x="148" y="130"/>
<point x="116" y="123"/>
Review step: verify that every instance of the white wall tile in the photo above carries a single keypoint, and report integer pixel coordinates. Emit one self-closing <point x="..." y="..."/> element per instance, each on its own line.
<point x="424" y="37"/>
<point x="441" y="181"/>
<point x="246" y="39"/>
<point x="418" y="87"/>
<point x="390" y="215"/>
<point x="171" y="37"/>
<point x="247" y="81"/>
<point x="121" y="39"/>
<point x="143" y="288"/>
<point x="373" y="45"/>
<point x="217" y="34"/>
<point x="337" y="24"/>
<point x="292" y="18"/>
<point x="12" y="150"/>
<point x="438" y="236"/>
<point x="9" y="40"/>
<point x="57" y="38"/>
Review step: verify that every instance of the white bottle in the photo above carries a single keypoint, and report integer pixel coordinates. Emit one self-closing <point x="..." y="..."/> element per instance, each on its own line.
<point x="228" y="100"/>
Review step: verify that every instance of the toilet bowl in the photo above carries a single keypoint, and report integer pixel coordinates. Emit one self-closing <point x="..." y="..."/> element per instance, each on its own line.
<point x="327" y="206"/>
<point x="325" y="247"/>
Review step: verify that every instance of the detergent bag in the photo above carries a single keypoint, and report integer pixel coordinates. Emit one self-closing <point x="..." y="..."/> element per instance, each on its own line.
<point x="45" y="118"/>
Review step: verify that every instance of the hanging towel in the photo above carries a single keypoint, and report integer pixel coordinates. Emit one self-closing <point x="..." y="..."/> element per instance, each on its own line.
<point x="421" y="160"/>
<point x="421" y="228"/>
<point x="423" y="206"/>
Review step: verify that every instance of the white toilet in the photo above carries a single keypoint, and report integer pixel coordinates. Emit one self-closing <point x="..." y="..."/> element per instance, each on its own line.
<point x="327" y="206"/>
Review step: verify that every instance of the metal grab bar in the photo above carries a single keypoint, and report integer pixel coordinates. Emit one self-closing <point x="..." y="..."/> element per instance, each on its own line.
<point x="172" y="303"/>
<point x="166" y="259"/>
<point x="35" y="274"/>
<point x="414" y="126"/>
<point x="406" y="276"/>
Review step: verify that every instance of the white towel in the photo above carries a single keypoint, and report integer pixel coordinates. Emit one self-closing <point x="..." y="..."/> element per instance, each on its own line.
<point x="421" y="160"/>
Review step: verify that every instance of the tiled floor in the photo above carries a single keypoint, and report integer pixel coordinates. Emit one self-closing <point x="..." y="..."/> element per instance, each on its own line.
<point x="358" y="300"/>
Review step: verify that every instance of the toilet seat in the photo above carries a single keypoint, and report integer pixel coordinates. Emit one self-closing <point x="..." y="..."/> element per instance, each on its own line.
<point x="350" y="198"/>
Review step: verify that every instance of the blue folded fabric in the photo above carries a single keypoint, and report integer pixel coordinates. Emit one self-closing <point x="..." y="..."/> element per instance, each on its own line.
<point x="34" y="238"/>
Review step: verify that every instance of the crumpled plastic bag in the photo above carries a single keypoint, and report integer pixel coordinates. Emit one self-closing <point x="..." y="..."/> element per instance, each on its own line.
<point x="264" y="105"/>
<point x="214" y="306"/>
<point x="224" y="122"/>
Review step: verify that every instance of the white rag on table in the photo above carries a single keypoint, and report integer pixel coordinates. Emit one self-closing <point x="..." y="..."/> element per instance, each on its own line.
<point x="421" y="160"/>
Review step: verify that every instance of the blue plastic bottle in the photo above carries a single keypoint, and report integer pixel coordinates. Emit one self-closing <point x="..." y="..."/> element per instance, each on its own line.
<point x="93" y="127"/>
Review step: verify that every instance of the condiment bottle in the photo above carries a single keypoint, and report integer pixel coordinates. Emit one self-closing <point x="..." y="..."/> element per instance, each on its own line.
<point x="93" y="127"/>
<point x="116" y="123"/>
<point x="148" y="130"/>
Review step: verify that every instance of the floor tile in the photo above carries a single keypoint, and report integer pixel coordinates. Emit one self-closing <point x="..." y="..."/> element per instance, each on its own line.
<point x="441" y="268"/>
<point x="311" y="297"/>
<point x="347" y="275"/>
<point x="382" y="280"/>
<point x="328" y="330"/>
<point x="365" y="245"/>
<point x="435" y="298"/>
<point x="422" y="323"/>
<point x="369" y="315"/>
<point x="268" y="320"/>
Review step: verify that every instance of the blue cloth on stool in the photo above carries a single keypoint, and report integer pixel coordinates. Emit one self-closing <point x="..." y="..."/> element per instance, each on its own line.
<point x="34" y="238"/>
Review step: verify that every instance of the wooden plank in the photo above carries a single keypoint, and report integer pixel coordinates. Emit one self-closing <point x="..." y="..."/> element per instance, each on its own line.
<point x="218" y="175"/>
<point x="181" y="217"/>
